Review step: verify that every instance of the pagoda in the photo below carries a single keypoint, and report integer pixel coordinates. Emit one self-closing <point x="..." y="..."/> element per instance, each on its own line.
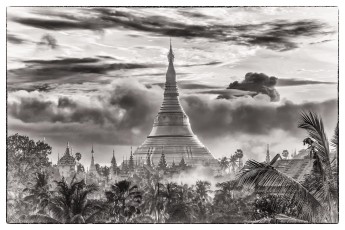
<point x="92" y="169"/>
<point x="172" y="134"/>
<point x="66" y="164"/>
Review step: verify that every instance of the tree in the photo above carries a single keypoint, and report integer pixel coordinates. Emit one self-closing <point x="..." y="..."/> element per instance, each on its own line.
<point x="70" y="204"/>
<point x="105" y="171"/>
<point x="78" y="156"/>
<point x="162" y="165"/>
<point x="153" y="200"/>
<point x="25" y="158"/>
<point x="226" y="207"/>
<point x="224" y="164"/>
<point x="98" y="169"/>
<point x="202" y="188"/>
<point x="124" y="200"/>
<point x="233" y="163"/>
<point x="319" y="202"/>
<point x="80" y="168"/>
<point x="39" y="194"/>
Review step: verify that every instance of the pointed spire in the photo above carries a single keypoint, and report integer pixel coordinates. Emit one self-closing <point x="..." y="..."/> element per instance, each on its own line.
<point x="171" y="54"/>
<point x="92" y="150"/>
<point x="268" y="157"/>
<point x="67" y="152"/>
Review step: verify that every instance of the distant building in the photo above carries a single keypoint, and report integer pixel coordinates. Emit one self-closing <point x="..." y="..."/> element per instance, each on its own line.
<point x="268" y="157"/>
<point x="66" y="164"/>
<point x="92" y="169"/>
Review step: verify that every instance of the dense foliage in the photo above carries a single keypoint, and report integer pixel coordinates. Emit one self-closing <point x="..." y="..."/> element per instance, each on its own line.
<point x="259" y="194"/>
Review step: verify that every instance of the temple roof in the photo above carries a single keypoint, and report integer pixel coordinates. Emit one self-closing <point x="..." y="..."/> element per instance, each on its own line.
<point x="67" y="159"/>
<point x="295" y="168"/>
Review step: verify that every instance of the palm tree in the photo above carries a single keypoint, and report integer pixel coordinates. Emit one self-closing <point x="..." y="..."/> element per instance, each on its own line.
<point x="226" y="209"/>
<point x="233" y="162"/>
<point x="202" y="199"/>
<point x="202" y="188"/>
<point x="315" y="205"/>
<point x="124" y="200"/>
<point x="70" y="204"/>
<point x="224" y="164"/>
<point x="39" y="194"/>
<point x="153" y="201"/>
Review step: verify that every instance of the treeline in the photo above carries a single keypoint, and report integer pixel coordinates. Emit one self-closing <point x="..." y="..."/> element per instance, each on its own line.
<point x="260" y="193"/>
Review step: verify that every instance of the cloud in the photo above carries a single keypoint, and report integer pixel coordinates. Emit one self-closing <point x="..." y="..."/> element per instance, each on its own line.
<point x="123" y="113"/>
<point x="66" y="70"/>
<point x="320" y="42"/>
<point x="216" y="118"/>
<point x="259" y="83"/>
<point x="48" y="41"/>
<point x="15" y="39"/>
<point x="276" y="35"/>
<point x="123" y="107"/>
<point x="293" y="82"/>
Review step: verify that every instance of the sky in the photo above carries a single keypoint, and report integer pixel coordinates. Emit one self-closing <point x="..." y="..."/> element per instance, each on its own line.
<point x="96" y="75"/>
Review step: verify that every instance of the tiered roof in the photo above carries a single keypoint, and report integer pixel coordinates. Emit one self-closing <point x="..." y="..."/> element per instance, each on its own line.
<point x="67" y="158"/>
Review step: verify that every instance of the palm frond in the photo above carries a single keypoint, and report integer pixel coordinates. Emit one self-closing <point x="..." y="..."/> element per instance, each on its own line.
<point x="255" y="175"/>
<point x="335" y="138"/>
<point x="313" y="124"/>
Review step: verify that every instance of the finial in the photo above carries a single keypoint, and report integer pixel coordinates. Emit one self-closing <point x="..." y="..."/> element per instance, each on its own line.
<point x="67" y="144"/>
<point x="113" y="153"/>
<point x="131" y="150"/>
<point x="92" y="149"/>
<point x="171" y="54"/>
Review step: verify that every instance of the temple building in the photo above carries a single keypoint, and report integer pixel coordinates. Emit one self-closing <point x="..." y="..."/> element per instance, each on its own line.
<point x="172" y="134"/>
<point x="66" y="164"/>
<point x="92" y="169"/>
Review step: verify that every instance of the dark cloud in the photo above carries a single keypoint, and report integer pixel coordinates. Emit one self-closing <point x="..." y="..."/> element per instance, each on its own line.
<point x="15" y="39"/>
<point x="292" y="82"/>
<point x="66" y="70"/>
<point x="258" y="83"/>
<point x="124" y="107"/>
<point x="201" y="64"/>
<point x="275" y="35"/>
<point x="63" y="61"/>
<point x="191" y="13"/>
<point x="320" y="42"/>
<point x="48" y="41"/>
<point x="217" y="118"/>
<point x="61" y="24"/>
<point x="124" y="113"/>
<point x="186" y="85"/>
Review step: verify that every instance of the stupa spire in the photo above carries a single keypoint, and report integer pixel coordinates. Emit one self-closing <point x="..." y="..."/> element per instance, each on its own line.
<point x="171" y="128"/>
<point x="268" y="157"/>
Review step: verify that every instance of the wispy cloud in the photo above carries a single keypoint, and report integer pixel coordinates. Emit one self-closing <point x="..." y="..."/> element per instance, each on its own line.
<point x="275" y="35"/>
